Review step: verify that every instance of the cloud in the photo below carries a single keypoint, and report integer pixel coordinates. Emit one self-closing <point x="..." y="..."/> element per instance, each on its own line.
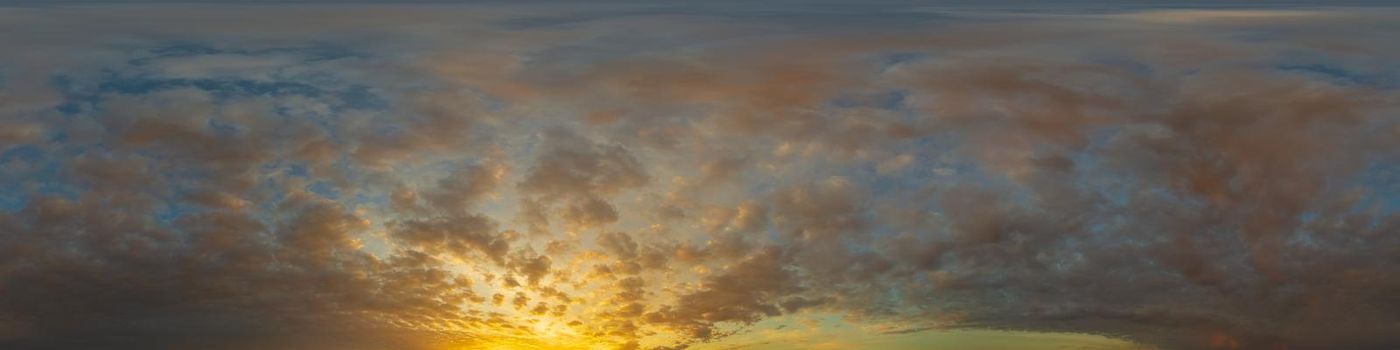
<point x="745" y="292"/>
<point x="579" y="173"/>
<point x="467" y="176"/>
<point x="458" y="235"/>
<point x="1228" y="16"/>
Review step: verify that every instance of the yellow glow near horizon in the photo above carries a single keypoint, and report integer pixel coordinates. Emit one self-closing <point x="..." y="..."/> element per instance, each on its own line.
<point x="833" y="331"/>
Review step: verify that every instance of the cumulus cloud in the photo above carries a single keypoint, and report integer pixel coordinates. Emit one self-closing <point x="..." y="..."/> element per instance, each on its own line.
<point x="672" y="176"/>
<point x="578" y="174"/>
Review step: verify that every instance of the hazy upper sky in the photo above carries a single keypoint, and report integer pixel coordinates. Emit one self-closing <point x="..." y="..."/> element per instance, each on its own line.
<point x="666" y="175"/>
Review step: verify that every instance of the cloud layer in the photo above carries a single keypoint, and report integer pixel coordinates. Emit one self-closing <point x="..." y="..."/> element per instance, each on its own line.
<point x="628" y="176"/>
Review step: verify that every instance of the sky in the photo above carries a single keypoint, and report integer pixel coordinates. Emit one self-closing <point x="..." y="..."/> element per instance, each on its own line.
<point x="673" y="175"/>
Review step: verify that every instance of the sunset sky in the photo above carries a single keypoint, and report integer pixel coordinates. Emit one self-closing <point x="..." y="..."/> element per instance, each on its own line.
<point x="764" y="175"/>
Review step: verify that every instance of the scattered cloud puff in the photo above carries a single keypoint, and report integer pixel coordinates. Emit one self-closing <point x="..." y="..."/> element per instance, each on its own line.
<point x="419" y="177"/>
